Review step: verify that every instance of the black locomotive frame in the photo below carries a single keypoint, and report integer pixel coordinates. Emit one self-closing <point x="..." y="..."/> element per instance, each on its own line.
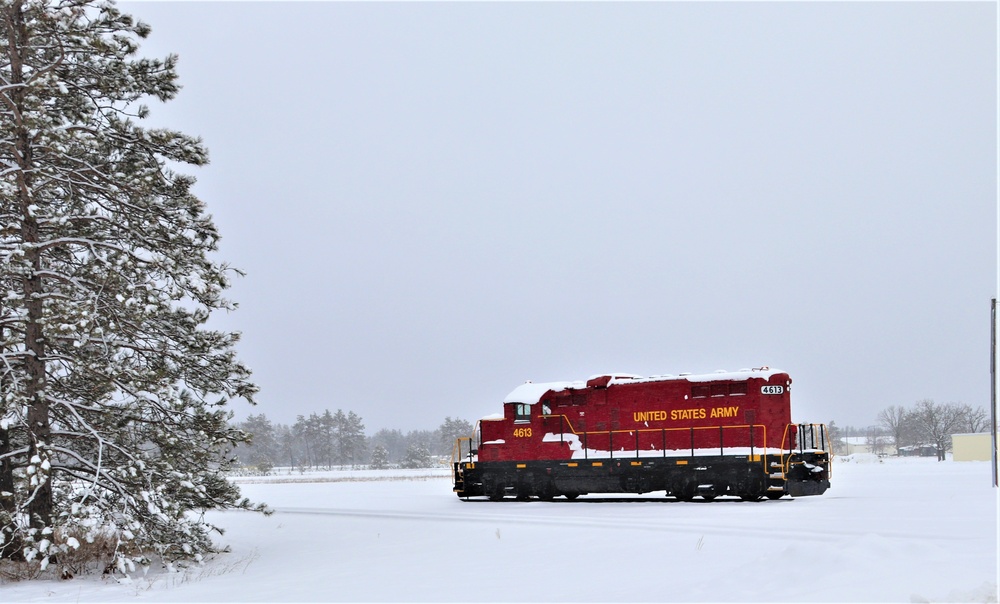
<point x="750" y="477"/>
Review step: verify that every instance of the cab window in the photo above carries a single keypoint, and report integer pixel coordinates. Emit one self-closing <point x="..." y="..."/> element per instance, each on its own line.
<point x="522" y="412"/>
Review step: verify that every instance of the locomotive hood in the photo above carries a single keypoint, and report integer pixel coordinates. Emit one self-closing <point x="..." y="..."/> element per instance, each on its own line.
<point x="530" y="392"/>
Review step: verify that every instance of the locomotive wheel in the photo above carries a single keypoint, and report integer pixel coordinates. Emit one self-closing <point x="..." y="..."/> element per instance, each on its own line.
<point x="571" y="496"/>
<point x="708" y="495"/>
<point x="497" y="492"/>
<point x="547" y="492"/>
<point x="752" y="490"/>
<point x="684" y="491"/>
<point x="774" y="495"/>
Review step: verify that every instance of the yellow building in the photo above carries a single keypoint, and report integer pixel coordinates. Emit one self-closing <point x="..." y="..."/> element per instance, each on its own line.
<point x="971" y="447"/>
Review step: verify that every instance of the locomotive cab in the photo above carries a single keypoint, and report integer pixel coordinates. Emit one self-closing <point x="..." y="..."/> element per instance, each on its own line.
<point x="520" y="413"/>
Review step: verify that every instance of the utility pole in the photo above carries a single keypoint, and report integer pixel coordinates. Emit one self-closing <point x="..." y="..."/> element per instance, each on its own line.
<point x="993" y="385"/>
<point x="993" y="306"/>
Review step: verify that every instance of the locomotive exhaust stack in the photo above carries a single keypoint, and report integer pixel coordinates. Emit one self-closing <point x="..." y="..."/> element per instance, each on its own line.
<point x="725" y="433"/>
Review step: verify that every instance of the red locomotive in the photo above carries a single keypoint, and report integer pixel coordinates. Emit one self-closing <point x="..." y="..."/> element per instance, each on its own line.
<point x="726" y="433"/>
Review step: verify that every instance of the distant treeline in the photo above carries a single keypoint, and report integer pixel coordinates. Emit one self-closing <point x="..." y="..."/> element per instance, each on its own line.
<point x="335" y="439"/>
<point x="926" y="424"/>
<point x="338" y="439"/>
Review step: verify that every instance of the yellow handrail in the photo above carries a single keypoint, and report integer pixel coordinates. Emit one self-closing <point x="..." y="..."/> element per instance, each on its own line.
<point x="749" y="427"/>
<point x="785" y="459"/>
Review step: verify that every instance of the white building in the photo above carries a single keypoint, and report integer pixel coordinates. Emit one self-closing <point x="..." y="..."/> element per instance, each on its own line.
<point x="862" y="444"/>
<point x="972" y="447"/>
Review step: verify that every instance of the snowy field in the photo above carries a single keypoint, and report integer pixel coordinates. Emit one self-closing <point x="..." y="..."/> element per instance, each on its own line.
<point x="905" y="530"/>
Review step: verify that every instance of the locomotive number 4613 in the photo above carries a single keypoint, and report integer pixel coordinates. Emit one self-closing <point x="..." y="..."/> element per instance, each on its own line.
<point x="772" y="389"/>
<point x="522" y="432"/>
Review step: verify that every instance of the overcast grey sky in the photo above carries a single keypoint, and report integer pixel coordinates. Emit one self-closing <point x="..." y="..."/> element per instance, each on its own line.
<point x="434" y="202"/>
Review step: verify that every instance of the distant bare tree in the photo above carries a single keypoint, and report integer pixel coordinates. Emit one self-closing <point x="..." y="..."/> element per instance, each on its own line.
<point x="875" y="440"/>
<point x="894" y="419"/>
<point x="973" y="420"/>
<point x="935" y="423"/>
<point x="837" y="438"/>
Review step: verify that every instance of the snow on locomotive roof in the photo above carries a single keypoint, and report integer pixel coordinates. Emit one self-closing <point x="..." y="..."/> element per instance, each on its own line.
<point x="531" y="392"/>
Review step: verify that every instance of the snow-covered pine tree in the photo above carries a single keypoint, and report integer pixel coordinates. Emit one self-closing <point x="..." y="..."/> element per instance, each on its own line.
<point x="380" y="458"/>
<point x="394" y="442"/>
<point x="351" y="440"/>
<point x="417" y="456"/>
<point x="113" y="393"/>
<point x="307" y="432"/>
<point x="326" y="447"/>
<point x="261" y="452"/>
<point x="449" y="431"/>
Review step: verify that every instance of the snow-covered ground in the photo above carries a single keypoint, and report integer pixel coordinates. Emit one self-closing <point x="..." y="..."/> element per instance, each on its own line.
<point x="902" y="530"/>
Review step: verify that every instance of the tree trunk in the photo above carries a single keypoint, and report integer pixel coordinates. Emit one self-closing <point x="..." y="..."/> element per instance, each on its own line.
<point x="10" y="545"/>
<point x="7" y="505"/>
<point x="40" y="506"/>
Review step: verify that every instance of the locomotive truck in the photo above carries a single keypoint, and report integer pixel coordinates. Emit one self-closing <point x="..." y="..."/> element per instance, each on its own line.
<point x="724" y="433"/>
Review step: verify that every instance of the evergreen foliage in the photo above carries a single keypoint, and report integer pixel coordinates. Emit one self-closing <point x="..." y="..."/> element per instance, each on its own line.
<point x="261" y="451"/>
<point x="380" y="458"/>
<point x="113" y="393"/>
<point x="337" y="439"/>
<point x="417" y="456"/>
<point x="451" y="430"/>
<point x="393" y="441"/>
<point x="330" y="439"/>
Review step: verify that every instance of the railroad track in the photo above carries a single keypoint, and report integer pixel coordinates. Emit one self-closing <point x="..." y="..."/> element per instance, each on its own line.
<point x="686" y="525"/>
